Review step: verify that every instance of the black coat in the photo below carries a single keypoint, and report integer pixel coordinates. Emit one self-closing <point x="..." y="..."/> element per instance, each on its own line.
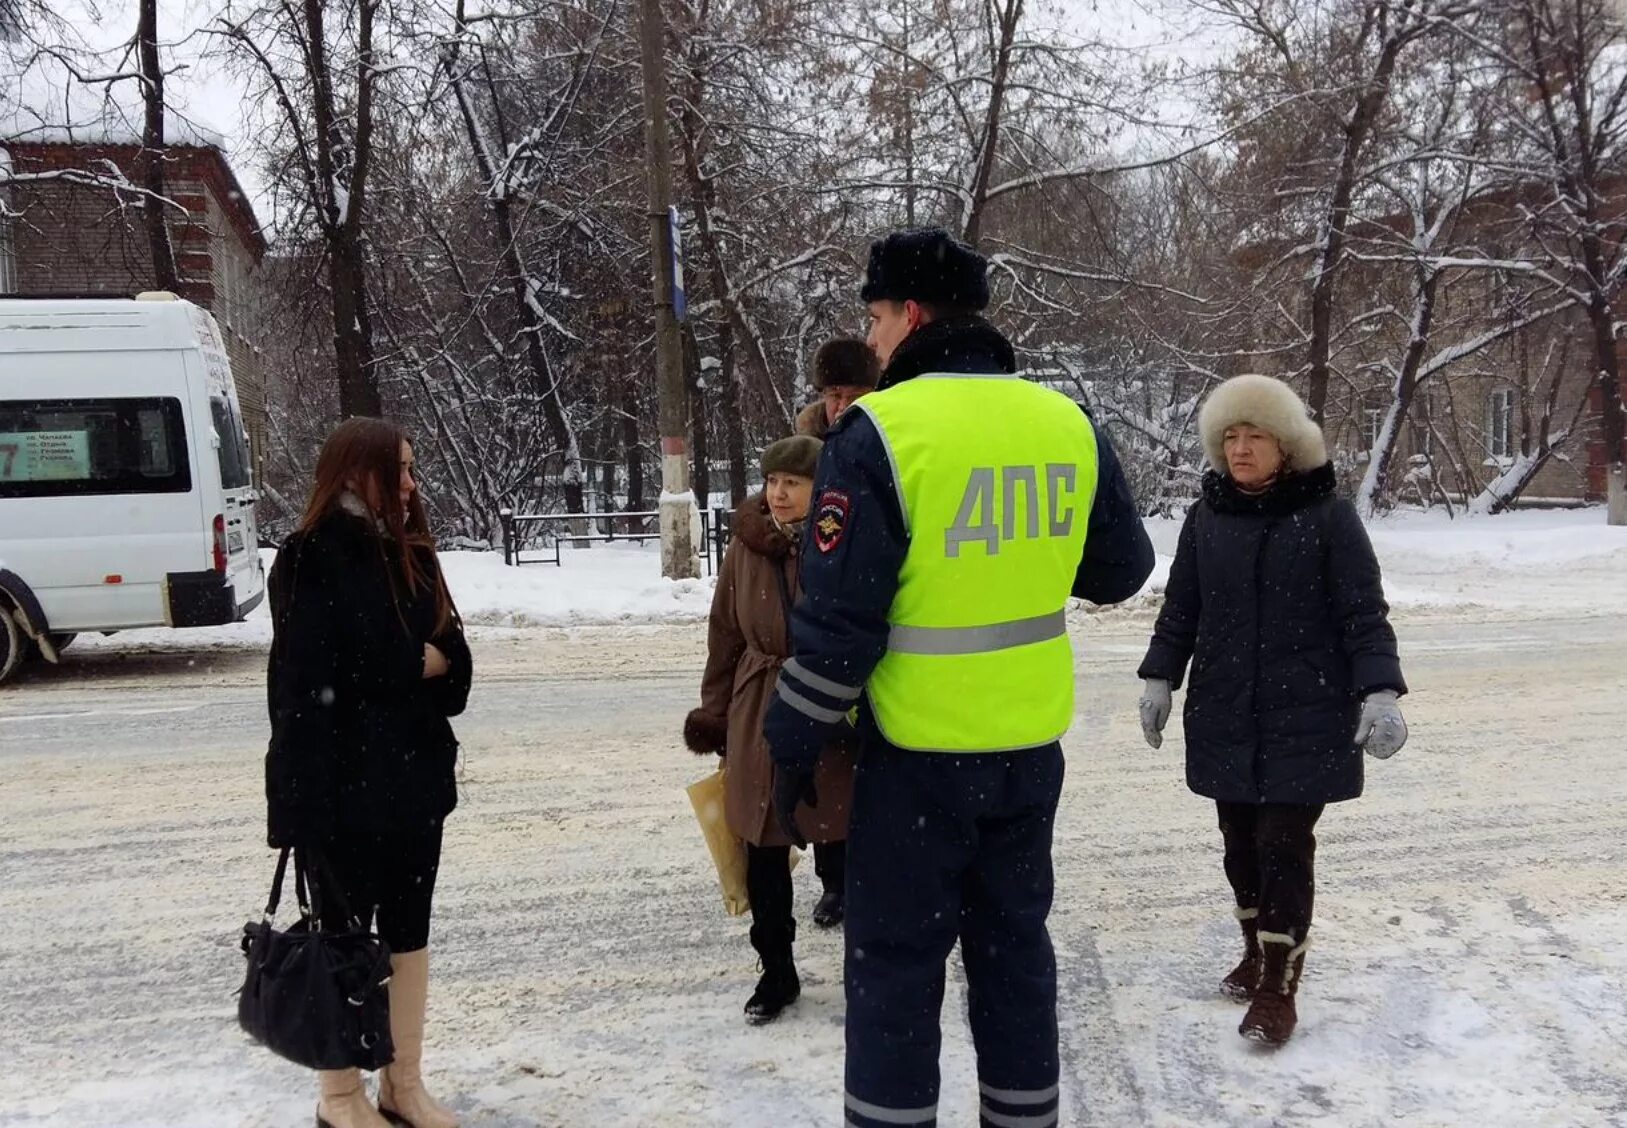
<point x="359" y="738"/>
<point x="1278" y="603"/>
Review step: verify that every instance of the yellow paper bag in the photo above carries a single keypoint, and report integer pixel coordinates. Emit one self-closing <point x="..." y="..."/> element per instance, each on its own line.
<point x="728" y="852"/>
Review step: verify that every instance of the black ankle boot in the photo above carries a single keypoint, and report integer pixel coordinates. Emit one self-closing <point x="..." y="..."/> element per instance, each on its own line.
<point x="778" y="988"/>
<point x="779" y="985"/>
<point x="831" y="910"/>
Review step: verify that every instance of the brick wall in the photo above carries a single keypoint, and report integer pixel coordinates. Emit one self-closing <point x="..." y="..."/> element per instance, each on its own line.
<point x="92" y="239"/>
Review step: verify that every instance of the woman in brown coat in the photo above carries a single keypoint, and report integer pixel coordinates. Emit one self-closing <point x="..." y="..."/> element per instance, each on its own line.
<point x="749" y="640"/>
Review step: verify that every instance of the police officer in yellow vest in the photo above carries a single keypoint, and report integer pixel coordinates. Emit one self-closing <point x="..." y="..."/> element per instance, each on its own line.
<point x="955" y="511"/>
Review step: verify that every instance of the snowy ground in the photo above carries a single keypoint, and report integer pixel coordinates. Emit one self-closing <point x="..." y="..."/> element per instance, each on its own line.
<point x="1470" y="965"/>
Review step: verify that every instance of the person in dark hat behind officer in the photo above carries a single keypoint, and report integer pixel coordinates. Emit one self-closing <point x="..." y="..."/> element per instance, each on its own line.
<point x="844" y="369"/>
<point x="955" y="511"/>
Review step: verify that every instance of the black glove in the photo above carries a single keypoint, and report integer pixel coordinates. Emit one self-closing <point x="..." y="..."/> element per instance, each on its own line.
<point x="706" y="734"/>
<point x="793" y="785"/>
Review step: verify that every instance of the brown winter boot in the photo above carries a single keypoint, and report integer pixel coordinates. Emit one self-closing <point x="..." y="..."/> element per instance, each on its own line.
<point x="1241" y="981"/>
<point x="344" y="1102"/>
<point x="1271" y="1016"/>
<point x="402" y="1097"/>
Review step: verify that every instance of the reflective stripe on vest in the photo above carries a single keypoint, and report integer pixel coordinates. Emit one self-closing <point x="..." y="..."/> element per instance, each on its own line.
<point x="977" y="640"/>
<point x="996" y="478"/>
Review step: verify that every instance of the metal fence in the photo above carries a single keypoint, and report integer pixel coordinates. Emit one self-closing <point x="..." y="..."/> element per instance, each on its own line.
<point x="523" y="531"/>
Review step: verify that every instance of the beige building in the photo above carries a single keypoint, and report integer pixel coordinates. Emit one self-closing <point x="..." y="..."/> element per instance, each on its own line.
<point x="1474" y="418"/>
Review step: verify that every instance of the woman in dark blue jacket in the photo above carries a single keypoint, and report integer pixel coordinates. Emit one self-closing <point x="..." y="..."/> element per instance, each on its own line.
<point x="368" y="662"/>
<point x="1275" y="599"/>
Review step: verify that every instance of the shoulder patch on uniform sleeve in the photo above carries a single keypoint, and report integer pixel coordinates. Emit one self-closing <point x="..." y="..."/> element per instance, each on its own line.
<point x="831" y="512"/>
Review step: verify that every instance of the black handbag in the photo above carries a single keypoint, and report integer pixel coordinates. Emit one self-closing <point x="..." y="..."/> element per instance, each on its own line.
<point x="313" y="995"/>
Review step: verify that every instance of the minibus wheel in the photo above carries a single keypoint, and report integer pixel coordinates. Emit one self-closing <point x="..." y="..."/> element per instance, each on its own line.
<point x="12" y="642"/>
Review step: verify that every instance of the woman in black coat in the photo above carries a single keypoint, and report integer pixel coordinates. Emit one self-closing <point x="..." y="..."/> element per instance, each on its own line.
<point x="1276" y="600"/>
<point x="368" y="660"/>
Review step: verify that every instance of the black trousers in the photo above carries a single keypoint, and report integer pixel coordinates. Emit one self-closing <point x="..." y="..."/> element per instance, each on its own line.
<point x="830" y="863"/>
<point x="768" y="888"/>
<point x="390" y="876"/>
<point x="1270" y="856"/>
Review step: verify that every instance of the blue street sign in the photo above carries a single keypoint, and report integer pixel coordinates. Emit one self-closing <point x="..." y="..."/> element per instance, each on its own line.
<point x="680" y="304"/>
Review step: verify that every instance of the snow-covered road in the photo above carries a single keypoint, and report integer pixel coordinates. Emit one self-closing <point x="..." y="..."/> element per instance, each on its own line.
<point x="1470" y="964"/>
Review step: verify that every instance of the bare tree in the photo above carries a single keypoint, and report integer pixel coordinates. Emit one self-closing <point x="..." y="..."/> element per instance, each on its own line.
<point x="153" y="152"/>
<point x="754" y="95"/>
<point x="1566" y="112"/>
<point x="321" y="81"/>
<point x="1547" y="419"/>
<point x="494" y="152"/>
<point x="1343" y="221"/>
<point x="39" y="46"/>
<point x="1342" y="62"/>
<point x="1438" y="188"/>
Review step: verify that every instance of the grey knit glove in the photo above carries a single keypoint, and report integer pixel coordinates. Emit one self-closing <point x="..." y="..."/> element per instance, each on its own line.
<point x="1382" y="731"/>
<point x="1155" y="707"/>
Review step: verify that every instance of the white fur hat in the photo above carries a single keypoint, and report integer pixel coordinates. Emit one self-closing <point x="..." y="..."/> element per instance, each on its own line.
<point x="1266" y="403"/>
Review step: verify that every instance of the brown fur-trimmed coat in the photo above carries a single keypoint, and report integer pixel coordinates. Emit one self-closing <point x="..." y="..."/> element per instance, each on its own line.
<point x="811" y="420"/>
<point x="747" y="643"/>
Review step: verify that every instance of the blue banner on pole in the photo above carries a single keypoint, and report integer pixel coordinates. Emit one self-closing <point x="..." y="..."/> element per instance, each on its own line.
<point x="680" y="304"/>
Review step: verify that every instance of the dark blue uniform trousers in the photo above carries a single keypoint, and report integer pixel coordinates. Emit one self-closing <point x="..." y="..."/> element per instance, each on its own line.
<point x="944" y="847"/>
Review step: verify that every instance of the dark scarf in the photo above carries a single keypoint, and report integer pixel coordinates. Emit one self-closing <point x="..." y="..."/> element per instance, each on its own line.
<point x="1288" y="494"/>
<point x="957" y="344"/>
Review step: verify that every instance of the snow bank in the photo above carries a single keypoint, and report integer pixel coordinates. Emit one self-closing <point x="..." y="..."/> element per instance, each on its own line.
<point x="1567" y="561"/>
<point x="1518" y="541"/>
<point x="605" y="584"/>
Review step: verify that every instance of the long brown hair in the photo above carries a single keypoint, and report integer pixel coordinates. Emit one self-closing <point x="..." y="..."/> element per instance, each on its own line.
<point x="363" y="456"/>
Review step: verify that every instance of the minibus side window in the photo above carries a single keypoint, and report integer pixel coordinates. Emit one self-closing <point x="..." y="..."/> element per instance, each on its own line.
<point x="64" y="448"/>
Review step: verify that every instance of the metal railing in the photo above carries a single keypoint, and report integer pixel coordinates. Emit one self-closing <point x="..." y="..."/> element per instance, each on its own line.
<point x="521" y="529"/>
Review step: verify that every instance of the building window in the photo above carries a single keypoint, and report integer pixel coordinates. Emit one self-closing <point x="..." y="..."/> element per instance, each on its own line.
<point x="1423" y="425"/>
<point x="226" y="293"/>
<point x="8" y="230"/>
<point x="1500" y="423"/>
<point x="8" y="249"/>
<point x="234" y="266"/>
<point x="1372" y="425"/>
<point x="1423" y="437"/>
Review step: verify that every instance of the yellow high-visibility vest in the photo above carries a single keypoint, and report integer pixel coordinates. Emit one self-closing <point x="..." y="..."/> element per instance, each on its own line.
<point x="996" y="478"/>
